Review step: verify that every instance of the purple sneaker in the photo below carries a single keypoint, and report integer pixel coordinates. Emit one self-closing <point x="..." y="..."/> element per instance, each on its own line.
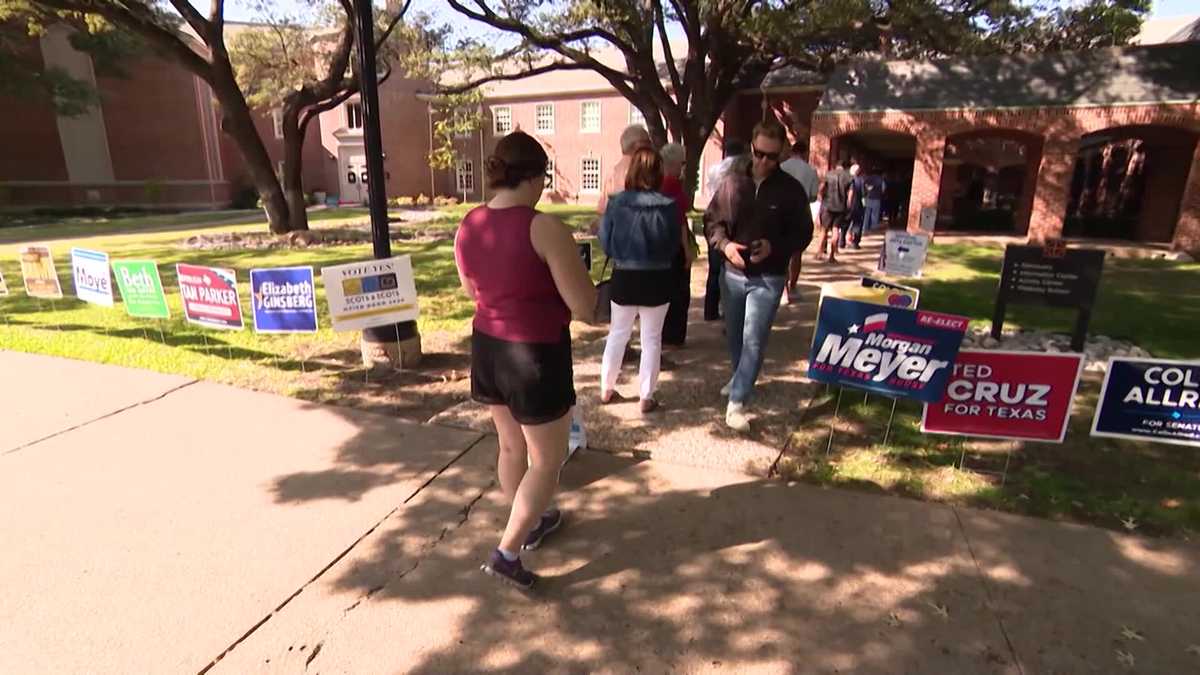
<point x="511" y="572"/>
<point x="549" y="523"/>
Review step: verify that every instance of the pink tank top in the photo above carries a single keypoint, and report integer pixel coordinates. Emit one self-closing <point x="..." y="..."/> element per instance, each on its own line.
<point x="515" y="296"/>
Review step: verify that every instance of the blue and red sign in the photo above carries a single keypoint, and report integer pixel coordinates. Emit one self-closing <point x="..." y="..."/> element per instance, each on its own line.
<point x="284" y="300"/>
<point x="1150" y="400"/>
<point x="892" y="351"/>
<point x="999" y="394"/>
<point x="210" y="296"/>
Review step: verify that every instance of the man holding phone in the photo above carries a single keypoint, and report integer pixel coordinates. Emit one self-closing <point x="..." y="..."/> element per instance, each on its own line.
<point x="759" y="218"/>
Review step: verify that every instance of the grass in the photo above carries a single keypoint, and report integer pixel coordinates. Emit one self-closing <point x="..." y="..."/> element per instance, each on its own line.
<point x="281" y="364"/>
<point x="1147" y="301"/>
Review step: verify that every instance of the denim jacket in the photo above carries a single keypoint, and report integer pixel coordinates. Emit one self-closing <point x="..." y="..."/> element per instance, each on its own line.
<point x="641" y="230"/>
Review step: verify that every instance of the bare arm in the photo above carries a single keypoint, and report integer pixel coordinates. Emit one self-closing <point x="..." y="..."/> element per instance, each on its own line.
<point x="553" y="242"/>
<point x="467" y="286"/>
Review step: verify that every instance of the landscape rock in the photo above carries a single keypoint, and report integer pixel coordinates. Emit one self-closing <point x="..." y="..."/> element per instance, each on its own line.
<point x="1097" y="350"/>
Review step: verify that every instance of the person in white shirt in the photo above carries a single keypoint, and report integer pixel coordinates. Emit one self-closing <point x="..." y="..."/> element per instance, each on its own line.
<point x="797" y="167"/>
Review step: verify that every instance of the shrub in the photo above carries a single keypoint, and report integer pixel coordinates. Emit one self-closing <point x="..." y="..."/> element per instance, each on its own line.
<point x="403" y="202"/>
<point x="421" y="200"/>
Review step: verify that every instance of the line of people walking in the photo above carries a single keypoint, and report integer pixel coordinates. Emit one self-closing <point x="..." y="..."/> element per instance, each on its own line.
<point x="521" y="268"/>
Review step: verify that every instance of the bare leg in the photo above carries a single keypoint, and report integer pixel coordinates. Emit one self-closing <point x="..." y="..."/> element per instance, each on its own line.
<point x="514" y="457"/>
<point x="833" y="245"/>
<point x="547" y="445"/>
<point x="793" y="274"/>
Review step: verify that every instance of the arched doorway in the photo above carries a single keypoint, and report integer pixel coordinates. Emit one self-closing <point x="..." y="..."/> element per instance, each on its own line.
<point x="1128" y="183"/>
<point x="889" y="153"/>
<point x="988" y="180"/>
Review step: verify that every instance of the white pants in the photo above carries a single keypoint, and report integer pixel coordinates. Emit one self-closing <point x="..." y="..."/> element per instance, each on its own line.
<point x="619" y="332"/>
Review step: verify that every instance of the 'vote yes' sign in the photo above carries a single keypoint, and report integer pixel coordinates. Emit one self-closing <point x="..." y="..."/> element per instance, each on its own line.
<point x="995" y="394"/>
<point x="896" y="352"/>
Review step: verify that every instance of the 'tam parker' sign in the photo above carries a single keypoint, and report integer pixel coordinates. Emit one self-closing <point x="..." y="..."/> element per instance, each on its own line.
<point x="892" y="351"/>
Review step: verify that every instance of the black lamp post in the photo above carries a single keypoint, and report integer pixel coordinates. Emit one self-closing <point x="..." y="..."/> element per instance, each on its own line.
<point x="373" y="142"/>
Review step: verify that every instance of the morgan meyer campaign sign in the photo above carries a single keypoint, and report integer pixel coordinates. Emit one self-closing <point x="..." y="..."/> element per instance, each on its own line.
<point x="210" y="296"/>
<point x="92" y="281"/>
<point x="892" y="351"/>
<point x="1150" y="400"/>
<point x="1001" y="394"/>
<point x="370" y="293"/>
<point x="284" y="300"/>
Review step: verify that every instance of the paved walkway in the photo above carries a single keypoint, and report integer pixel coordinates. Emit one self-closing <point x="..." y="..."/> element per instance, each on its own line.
<point x="156" y="524"/>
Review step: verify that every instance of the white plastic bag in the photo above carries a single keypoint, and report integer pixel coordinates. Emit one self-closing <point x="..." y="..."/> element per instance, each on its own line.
<point x="578" y="437"/>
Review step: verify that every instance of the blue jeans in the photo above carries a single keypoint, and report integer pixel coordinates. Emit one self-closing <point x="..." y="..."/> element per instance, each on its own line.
<point x="712" y="290"/>
<point x="750" y="307"/>
<point x="853" y="228"/>
<point x="872" y="214"/>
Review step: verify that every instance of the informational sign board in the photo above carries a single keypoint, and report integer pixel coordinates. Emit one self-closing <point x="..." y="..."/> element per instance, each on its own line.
<point x="903" y="254"/>
<point x="370" y="293"/>
<point x="892" y="351"/>
<point x="37" y="269"/>
<point x="141" y="288"/>
<point x="1150" y="400"/>
<point x="3" y="286"/>
<point x="1002" y="394"/>
<point x="210" y="296"/>
<point x="585" y="254"/>
<point x="284" y="300"/>
<point x="1050" y="276"/>
<point x="93" y="283"/>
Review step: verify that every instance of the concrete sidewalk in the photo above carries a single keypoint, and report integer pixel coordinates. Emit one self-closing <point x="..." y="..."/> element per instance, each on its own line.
<point x="167" y="526"/>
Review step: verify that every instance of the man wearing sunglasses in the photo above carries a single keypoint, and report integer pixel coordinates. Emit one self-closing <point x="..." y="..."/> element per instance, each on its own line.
<point x="759" y="218"/>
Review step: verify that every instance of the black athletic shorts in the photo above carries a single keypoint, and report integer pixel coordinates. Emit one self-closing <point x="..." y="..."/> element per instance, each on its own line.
<point x="535" y="380"/>
<point x="831" y="219"/>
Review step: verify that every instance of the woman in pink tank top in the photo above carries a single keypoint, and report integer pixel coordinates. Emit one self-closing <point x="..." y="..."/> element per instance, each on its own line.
<point x="522" y="269"/>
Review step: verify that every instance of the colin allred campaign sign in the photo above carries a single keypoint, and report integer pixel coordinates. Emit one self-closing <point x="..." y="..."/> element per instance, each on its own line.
<point x="284" y="299"/>
<point x="1000" y="394"/>
<point x="893" y="351"/>
<point x="1150" y="400"/>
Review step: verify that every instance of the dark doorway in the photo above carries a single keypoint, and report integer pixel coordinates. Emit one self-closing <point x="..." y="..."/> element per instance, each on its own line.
<point x="891" y="155"/>
<point x="988" y="180"/>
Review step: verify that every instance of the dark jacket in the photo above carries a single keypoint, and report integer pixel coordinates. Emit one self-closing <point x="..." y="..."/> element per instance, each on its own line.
<point x="641" y="230"/>
<point x="836" y="197"/>
<point x="777" y="210"/>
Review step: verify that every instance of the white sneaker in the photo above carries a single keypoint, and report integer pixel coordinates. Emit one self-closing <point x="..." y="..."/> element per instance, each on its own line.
<point x="735" y="417"/>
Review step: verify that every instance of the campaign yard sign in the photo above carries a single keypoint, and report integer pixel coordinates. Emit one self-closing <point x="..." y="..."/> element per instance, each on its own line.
<point x="1005" y="394"/>
<point x="896" y="295"/>
<point x="3" y="286"/>
<point x="585" y="254"/>
<point x="93" y="283"/>
<point x="371" y="293"/>
<point x="284" y="300"/>
<point x="37" y="269"/>
<point x="903" y="254"/>
<point x="892" y="351"/>
<point x="141" y="288"/>
<point x="1150" y="400"/>
<point x="210" y="296"/>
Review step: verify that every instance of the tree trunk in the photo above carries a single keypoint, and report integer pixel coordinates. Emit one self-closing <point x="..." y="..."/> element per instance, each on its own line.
<point x="293" y="170"/>
<point x="238" y="122"/>
<point x="693" y="147"/>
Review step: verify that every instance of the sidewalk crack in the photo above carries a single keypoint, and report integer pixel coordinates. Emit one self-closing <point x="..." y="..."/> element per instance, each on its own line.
<point x="987" y="592"/>
<point x="105" y="416"/>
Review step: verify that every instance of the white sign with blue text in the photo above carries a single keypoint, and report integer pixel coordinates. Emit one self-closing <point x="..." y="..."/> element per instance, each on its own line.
<point x="92" y="281"/>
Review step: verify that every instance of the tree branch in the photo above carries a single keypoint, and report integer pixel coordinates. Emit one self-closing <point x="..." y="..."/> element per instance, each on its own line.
<point x="508" y="77"/>
<point x="392" y="24"/>
<point x="558" y="43"/>
<point x="195" y="20"/>
<point x="216" y="17"/>
<point x="668" y="56"/>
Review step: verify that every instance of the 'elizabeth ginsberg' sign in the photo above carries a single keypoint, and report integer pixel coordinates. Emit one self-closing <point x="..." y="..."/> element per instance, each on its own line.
<point x="1150" y="400"/>
<point x="284" y="300"/>
<point x="896" y="352"/>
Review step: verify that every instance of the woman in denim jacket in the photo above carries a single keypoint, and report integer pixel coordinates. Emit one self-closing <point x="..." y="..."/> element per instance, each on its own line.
<point x="641" y="233"/>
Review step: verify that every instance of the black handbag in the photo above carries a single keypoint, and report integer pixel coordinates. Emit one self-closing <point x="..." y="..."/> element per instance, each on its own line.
<point x="604" y="295"/>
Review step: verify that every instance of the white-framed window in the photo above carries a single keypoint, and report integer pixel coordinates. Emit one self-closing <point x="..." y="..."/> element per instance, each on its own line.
<point x="589" y="175"/>
<point x="551" y="177"/>
<point x="354" y="115"/>
<point x="543" y="118"/>
<point x="636" y="116"/>
<point x="277" y="122"/>
<point x="589" y="117"/>
<point x="464" y="173"/>
<point x="502" y="122"/>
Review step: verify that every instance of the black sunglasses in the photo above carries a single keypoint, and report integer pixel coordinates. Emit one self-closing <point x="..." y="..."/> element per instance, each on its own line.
<point x="759" y="154"/>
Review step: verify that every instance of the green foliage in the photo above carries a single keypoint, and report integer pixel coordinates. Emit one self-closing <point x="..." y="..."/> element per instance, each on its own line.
<point x="456" y="117"/>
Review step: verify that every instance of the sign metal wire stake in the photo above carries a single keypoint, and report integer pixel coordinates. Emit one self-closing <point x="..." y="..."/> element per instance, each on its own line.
<point x="888" y="431"/>
<point x="833" y="422"/>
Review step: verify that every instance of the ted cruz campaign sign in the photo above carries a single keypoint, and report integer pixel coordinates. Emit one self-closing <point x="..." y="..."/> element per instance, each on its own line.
<point x="1000" y="394"/>
<point x="896" y="352"/>
<point x="210" y="296"/>
<point x="1150" y="400"/>
<point x="284" y="299"/>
